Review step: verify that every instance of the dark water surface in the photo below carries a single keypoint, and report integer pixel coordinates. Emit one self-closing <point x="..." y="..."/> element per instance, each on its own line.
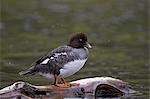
<point x="118" y="31"/>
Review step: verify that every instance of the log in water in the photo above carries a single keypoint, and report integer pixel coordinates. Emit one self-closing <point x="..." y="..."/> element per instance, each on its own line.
<point x="89" y="87"/>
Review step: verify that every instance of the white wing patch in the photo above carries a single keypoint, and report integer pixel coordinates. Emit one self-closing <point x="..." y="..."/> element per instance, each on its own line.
<point x="45" y="61"/>
<point x="51" y="58"/>
<point x="58" y="54"/>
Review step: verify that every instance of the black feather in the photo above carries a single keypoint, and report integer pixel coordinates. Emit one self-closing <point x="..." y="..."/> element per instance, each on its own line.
<point x="25" y="73"/>
<point x="28" y="72"/>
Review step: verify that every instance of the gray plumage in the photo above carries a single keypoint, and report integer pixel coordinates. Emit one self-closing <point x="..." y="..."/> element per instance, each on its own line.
<point x="63" y="61"/>
<point x="55" y="60"/>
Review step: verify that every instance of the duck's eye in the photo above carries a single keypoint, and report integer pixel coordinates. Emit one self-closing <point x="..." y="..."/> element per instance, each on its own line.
<point x="80" y="40"/>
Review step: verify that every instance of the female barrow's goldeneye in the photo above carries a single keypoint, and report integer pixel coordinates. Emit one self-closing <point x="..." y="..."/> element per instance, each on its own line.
<point x="63" y="61"/>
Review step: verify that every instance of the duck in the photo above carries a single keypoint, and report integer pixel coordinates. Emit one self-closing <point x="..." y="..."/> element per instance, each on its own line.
<point x="62" y="61"/>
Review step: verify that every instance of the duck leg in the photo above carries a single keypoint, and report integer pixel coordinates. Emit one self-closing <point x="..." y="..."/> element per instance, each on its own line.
<point x="63" y="84"/>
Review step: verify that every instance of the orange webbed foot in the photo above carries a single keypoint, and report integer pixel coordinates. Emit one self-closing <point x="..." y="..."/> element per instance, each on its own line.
<point x="67" y="85"/>
<point x="64" y="83"/>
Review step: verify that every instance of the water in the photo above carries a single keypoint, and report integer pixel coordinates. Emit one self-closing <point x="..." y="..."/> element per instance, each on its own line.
<point x="118" y="31"/>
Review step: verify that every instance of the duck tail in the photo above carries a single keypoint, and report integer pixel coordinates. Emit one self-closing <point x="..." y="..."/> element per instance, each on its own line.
<point x="27" y="72"/>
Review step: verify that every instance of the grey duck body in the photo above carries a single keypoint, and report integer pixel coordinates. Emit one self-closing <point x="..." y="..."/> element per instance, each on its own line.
<point x="54" y="61"/>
